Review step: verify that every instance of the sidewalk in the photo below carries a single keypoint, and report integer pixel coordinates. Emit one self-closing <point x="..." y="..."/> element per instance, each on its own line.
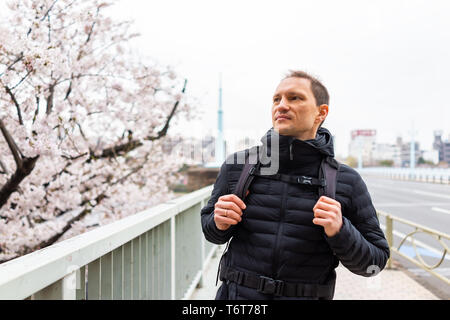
<point x="388" y="285"/>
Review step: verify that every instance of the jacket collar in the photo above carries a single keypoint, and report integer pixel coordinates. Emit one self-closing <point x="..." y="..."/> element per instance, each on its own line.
<point x="291" y="149"/>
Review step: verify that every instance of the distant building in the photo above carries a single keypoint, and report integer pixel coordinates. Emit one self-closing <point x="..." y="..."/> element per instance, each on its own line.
<point x="443" y="147"/>
<point x="386" y="151"/>
<point x="363" y="144"/>
<point x="405" y="152"/>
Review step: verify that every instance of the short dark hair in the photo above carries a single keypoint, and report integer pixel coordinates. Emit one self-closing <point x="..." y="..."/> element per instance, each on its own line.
<point x="319" y="91"/>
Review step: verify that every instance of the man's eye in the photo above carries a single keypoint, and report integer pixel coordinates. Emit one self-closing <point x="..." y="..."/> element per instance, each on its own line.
<point x="276" y="99"/>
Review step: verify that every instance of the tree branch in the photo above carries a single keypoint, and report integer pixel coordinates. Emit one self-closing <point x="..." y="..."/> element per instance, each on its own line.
<point x="37" y="109"/>
<point x="24" y="166"/>
<point x="3" y="166"/>
<point x="69" y="90"/>
<point x="12" y="145"/>
<point x="44" y="16"/>
<point x="124" y="148"/>
<point x="49" y="29"/>
<point x="49" y="9"/>
<point x="13" y="98"/>
<point x="19" y="58"/>
<point x="21" y="80"/>
<point x="58" y="235"/>
<point x="51" y="89"/>
<point x="163" y="132"/>
<point x="13" y="183"/>
<point x="74" y="158"/>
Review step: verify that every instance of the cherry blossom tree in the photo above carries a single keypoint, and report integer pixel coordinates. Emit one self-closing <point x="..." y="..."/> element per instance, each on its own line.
<point x="82" y="123"/>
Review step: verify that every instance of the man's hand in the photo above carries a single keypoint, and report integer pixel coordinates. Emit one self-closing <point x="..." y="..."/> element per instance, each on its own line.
<point x="228" y="211"/>
<point x="327" y="213"/>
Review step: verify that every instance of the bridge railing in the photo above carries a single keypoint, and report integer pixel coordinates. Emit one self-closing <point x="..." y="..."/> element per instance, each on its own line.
<point x="159" y="253"/>
<point x="431" y="175"/>
<point x="429" y="264"/>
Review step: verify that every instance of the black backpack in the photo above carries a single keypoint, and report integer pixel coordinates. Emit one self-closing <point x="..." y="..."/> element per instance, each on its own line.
<point x="326" y="181"/>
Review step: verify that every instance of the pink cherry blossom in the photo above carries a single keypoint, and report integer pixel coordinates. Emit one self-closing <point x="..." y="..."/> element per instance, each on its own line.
<point x="81" y="121"/>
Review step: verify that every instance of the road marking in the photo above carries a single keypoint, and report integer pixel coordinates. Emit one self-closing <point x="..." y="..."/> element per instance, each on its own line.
<point x="407" y="190"/>
<point x="409" y="251"/>
<point x="409" y="204"/>
<point x="418" y="271"/>
<point x="440" y="210"/>
<point x="381" y="186"/>
<point x="432" y="194"/>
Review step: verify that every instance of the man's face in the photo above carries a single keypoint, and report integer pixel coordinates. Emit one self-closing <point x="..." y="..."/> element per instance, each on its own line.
<point x="294" y="109"/>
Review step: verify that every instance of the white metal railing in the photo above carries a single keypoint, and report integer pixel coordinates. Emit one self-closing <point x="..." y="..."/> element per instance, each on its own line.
<point x="434" y="175"/>
<point x="159" y="253"/>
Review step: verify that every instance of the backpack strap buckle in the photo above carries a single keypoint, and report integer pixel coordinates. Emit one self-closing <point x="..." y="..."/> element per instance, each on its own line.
<point x="268" y="285"/>
<point x="305" y="180"/>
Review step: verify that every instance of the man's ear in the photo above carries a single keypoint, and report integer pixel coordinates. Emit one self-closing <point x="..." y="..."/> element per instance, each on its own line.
<point x="323" y="112"/>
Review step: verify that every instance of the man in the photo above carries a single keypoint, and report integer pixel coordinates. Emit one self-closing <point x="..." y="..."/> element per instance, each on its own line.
<point x="286" y="240"/>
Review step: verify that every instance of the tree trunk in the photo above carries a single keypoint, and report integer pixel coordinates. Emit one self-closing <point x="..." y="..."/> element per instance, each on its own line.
<point x="15" y="180"/>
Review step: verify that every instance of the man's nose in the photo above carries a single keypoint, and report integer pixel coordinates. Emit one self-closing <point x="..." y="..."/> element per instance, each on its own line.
<point x="283" y="104"/>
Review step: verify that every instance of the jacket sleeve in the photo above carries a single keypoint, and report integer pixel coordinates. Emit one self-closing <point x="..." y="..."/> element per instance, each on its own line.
<point x="360" y="245"/>
<point x="212" y="234"/>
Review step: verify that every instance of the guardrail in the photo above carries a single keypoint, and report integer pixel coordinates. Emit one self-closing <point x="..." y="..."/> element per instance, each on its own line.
<point x="159" y="253"/>
<point x="417" y="229"/>
<point x="431" y="175"/>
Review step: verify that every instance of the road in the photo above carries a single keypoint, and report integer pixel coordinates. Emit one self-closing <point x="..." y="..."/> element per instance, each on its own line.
<point x="427" y="204"/>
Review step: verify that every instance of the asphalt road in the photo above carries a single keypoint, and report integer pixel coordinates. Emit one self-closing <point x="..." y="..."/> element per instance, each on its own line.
<point x="423" y="203"/>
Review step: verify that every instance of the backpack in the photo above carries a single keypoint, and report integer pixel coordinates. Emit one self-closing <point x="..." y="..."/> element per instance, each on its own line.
<point x="326" y="182"/>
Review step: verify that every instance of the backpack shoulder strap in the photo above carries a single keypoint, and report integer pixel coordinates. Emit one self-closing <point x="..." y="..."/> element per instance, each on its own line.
<point x="246" y="177"/>
<point x="328" y="170"/>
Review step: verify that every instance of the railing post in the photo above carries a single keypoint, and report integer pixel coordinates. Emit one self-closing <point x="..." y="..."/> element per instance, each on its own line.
<point x="389" y="238"/>
<point x="106" y="276"/>
<point x="202" y="248"/>
<point x="81" y="284"/>
<point x="94" y="275"/>
<point x="172" y="259"/>
<point x="70" y="285"/>
<point x="127" y="271"/>
<point x="63" y="289"/>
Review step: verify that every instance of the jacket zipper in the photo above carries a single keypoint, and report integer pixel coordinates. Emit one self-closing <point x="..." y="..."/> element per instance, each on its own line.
<point x="276" y="254"/>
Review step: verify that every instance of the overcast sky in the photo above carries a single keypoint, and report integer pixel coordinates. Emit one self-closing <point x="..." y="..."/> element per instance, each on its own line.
<point x="386" y="64"/>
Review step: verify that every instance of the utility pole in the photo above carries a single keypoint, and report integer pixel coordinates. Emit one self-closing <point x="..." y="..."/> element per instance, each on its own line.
<point x="220" y="152"/>
<point x="360" y="154"/>
<point x="412" y="152"/>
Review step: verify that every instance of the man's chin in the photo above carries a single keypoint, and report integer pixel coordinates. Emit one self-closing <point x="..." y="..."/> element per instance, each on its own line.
<point x="285" y="131"/>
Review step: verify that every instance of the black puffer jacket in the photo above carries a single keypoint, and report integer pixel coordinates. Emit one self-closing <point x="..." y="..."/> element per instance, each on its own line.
<point x="277" y="238"/>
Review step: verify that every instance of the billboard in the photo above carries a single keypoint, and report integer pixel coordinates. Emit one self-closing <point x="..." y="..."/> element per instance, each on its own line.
<point x="363" y="132"/>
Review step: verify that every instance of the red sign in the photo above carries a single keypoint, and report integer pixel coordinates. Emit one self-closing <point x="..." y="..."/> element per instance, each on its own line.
<point x="365" y="133"/>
